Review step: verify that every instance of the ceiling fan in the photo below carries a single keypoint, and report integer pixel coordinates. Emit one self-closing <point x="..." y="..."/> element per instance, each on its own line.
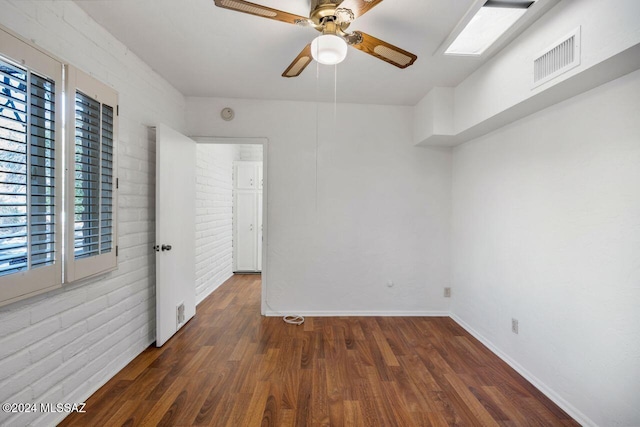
<point x="331" y="18"/>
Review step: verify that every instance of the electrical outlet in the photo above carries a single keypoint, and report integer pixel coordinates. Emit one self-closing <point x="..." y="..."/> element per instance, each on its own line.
<point x="514" y="326"/>
<point x="447" y="292"/>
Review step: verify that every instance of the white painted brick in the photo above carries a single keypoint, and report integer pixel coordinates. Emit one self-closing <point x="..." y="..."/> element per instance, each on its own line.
<point x="108" y="342"/>
<point x="12" y="322"/>
<point x="126" y="292"/>
<point x="101" y="319"/>
<point x="16" y="383"/>
<point x="83" y="311"/>
<point x="214" y="213"/>
<point x="22" y="339"/>
<point x="85" y="342"/>
<point x="57" y="304"/>
<point x="15" y="363"/>
<point x="56" y="341"/>
<point x="133" y="306"/>
<point x="57" y="375"/>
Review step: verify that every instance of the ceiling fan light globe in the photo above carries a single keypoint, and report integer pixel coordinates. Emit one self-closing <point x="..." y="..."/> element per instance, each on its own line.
<point x="329" y="49"/>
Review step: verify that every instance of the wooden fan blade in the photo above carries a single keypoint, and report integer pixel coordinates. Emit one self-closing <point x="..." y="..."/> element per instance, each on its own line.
<point x="383" y="50"/>
<point x="259" y="10"/>
<point x="359" y="7"/>
<point x="300" y="63"/>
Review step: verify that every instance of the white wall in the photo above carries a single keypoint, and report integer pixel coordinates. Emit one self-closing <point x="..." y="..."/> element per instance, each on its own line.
<point x="546" y="229"/>
<point x="214" y="216"/>
<point x="61" y="346"/>
<point x="433" y="115"/>
<point x="380" y="210"/>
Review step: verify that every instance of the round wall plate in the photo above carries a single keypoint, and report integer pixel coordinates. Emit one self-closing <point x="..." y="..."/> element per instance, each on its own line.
<point x="227" y="114"/>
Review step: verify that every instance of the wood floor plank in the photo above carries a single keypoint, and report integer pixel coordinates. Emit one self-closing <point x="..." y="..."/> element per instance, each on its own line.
<point x="164" y="403"/>
<point x="512" y="411"/>
<point x="479" y="412"/>
<point x="352" y="414"/>
<point x="229" y="366"/>
<point x="257" y="405"/>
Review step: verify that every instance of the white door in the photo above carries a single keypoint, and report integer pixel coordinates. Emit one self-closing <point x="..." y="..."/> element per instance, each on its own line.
<point x="246" y="176"/>
<point x="259" y="239"/>
<point x="246" y="231"/>
<point x="175" y="232"/>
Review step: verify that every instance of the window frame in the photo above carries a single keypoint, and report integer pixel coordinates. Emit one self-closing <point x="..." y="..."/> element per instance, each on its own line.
<point x="31" y="282"/>
<point x="76" y="269"/>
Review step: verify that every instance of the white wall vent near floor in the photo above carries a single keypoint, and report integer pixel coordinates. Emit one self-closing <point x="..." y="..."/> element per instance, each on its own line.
<point x="559" y="58"/>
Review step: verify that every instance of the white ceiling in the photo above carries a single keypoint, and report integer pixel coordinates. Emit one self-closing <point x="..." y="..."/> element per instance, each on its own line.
<point x="206" y="51"/>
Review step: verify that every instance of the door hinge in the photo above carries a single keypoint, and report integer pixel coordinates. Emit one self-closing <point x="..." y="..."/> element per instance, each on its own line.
<point x="116" y="250"/>
<point x="118" y="110"/>
<point x="117" y="183"/>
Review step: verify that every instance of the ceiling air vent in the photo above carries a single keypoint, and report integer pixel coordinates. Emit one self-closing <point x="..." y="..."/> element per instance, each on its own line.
<point x="557" y="59"/>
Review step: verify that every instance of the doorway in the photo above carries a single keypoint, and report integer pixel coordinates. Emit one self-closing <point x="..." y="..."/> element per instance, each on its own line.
<point x="231" y="214"/>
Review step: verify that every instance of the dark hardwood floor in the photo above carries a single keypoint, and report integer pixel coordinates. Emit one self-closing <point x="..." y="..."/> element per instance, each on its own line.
<point x="231" y="367"/>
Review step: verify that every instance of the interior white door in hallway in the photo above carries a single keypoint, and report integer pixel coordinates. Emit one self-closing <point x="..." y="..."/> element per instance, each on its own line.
<point x="247" y="216"/>
<point x="175" y="232"/>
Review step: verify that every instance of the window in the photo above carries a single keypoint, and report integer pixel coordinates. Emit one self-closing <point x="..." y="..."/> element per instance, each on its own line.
<point x="39" y="173"/>
<point x="30" y="171"/>
<point x="91" y="184"/>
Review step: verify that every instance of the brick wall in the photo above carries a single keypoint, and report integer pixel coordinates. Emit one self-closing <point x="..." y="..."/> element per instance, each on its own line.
<point x="62" y="346"/>
<point x="214" y="216"/>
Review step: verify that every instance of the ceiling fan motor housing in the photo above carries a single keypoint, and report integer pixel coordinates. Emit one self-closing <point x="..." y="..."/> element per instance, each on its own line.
<point x="327" y="10"/>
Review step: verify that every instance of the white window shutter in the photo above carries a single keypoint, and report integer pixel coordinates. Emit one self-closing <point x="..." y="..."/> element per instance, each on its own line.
<point x="30" y="170"/>
<point x="91" y="183"/>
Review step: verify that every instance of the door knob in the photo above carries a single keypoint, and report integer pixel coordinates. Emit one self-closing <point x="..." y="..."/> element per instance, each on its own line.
<point x="166" y="247"/>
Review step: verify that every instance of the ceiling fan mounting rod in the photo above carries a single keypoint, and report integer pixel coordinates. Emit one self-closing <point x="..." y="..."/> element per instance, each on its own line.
<point x="324" y="10"/>
<point x="328" y="25"/>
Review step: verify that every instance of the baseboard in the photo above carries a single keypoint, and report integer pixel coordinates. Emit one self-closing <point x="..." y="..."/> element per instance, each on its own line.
<point x="271" y="313"/>
<point x="547" y="391"/>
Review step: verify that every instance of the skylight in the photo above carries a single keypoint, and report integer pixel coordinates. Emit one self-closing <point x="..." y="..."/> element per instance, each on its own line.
<point x="491" y="21"/>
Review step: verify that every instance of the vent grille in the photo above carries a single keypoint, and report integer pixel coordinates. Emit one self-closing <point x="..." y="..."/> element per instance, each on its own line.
<point x="558" y="59"/>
